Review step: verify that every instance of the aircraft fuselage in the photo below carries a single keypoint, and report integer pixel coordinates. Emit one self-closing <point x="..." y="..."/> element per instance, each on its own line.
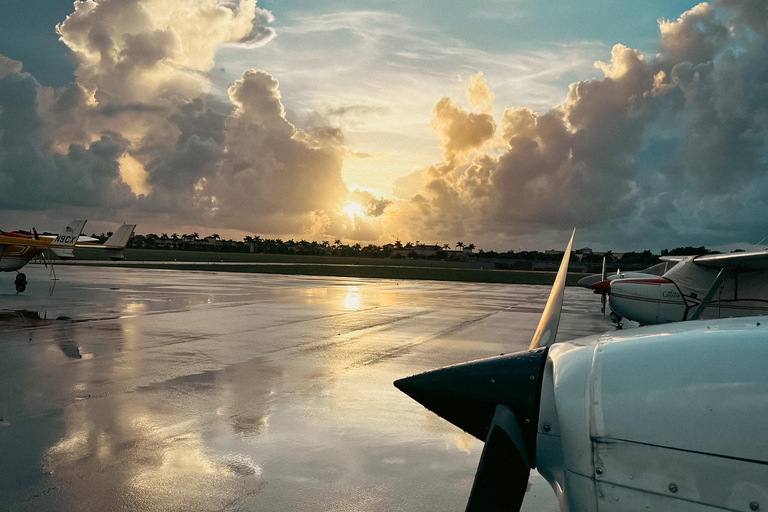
<point x="14" y="257"/>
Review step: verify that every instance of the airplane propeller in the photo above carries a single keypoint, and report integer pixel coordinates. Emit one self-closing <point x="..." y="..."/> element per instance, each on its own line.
<point x="497" y="401"/>
<point x="604" y="296"/>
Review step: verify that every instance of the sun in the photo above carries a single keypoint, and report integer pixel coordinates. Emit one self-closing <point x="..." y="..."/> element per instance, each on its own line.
<point x="354" y="209"/>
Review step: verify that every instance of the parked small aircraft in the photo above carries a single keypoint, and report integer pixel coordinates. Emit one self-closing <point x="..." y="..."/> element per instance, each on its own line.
<point x="691" y="287"/>
<point x="18" y="249"/>
<point x="663" y="418"/>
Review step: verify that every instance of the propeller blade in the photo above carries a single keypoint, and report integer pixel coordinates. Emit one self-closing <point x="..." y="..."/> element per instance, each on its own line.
<point x="605" y="274"/>
<point x="603" y="300"/>
<point x="502" y="475"/>
<point x="546" y="332"/>
<point x="497" y="401"/>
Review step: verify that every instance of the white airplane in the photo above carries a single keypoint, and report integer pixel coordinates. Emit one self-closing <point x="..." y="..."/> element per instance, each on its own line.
<point x="18" y="249"/>
<point x="710" y="286"/>
<point x="661" y="418"/>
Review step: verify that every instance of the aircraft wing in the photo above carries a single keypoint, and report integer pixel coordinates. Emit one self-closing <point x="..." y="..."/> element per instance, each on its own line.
<point x="23" y="241"/>
<point x="674" y="258"/>
<point x="737" y="261"/>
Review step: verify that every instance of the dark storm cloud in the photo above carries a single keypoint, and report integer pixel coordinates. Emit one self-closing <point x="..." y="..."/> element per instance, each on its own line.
<point x="113" y="110"/>
<point x="33" y="176"/>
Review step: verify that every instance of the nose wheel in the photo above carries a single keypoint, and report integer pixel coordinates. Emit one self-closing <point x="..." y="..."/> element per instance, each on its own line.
<point x="20" y="282"/>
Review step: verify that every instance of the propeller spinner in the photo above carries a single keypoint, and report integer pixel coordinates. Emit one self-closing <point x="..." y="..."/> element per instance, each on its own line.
<point x="497" y="401"/>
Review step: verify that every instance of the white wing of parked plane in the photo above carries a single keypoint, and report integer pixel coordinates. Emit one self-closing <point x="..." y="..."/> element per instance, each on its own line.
<point x="735" y="261"/>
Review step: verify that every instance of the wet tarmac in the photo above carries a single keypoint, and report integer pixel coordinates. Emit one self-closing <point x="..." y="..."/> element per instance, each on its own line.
<point x="163" y="390"/>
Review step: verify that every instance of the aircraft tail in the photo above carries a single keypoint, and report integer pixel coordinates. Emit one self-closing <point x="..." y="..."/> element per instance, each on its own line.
<point x="62" y="245"/>
<point x="117" y="242"/>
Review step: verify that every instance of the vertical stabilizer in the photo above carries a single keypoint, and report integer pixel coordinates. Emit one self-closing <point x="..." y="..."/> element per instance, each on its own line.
<point x="120" y="237"/>
<point x="117" y="242"/>
<point x="62" y="245"/>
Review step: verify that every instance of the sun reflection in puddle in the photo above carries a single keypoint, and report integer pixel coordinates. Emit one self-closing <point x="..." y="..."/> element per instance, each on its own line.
<point x="133" y="308"/>
<point x="353" y="298"/>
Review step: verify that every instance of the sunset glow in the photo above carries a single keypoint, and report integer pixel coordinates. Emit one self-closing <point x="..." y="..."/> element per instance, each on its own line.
<point x="354" y="210"/>
<point x="473" y="126"/>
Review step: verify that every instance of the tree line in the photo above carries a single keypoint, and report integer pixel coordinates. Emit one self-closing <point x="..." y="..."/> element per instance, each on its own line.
<point x="415" y="250"/>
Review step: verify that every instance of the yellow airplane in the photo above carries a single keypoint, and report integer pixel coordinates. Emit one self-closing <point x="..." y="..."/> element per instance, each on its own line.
<point x="18" y="249"/>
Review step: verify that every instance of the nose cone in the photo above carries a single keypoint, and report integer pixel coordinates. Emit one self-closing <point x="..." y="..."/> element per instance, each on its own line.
<point x="467" y="394"/>
<point x="602" y="286"/>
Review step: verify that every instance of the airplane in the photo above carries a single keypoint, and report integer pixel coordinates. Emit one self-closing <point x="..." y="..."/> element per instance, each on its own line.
<point x="687" y="288"/>
<point x="18" y="249"/>
<point x="664" y="417"/>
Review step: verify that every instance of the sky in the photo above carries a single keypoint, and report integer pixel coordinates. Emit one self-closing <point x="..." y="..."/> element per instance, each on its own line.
<point x="644" y="125"/>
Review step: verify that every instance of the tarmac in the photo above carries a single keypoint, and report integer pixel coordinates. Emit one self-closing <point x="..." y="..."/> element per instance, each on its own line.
<point x="166" y="390"/>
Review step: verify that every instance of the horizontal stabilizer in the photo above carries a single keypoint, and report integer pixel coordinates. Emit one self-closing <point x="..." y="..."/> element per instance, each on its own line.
<point x="64" y="253"/>
<point x="115" y="254"/>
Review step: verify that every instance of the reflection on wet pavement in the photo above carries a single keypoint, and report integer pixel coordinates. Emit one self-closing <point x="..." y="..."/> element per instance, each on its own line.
<point x="164" y="390"/>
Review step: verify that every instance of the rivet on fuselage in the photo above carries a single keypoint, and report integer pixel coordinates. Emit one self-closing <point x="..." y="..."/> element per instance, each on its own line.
<point x="672" y="487"/>
<point x="754" y="506"/>
<point x="599" y="471"/>
<point x="547" y="427"/>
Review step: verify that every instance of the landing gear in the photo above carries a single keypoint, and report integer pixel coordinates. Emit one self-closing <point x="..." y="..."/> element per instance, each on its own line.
<point x="616" y="319"/>
<point x="20" y="282"/>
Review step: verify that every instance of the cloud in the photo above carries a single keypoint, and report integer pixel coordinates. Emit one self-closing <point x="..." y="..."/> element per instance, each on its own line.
<point x="137" y="134"/>
<point x="460" y="131"/>
<point x="479" y="95"/>
<point x="660" y="150"/>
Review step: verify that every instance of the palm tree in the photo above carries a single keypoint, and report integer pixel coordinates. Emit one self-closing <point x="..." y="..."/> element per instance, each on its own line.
<point x="460" y="245"/>
<point x="471" y="247"/>
<point x="446" y="246"/>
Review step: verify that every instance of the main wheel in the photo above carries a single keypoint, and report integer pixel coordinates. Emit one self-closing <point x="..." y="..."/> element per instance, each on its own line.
<point x="21" y="286"/>
<point x="21" y="278"/>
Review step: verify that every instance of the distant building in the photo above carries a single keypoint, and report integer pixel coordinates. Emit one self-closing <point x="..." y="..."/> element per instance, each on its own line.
<point x="398" y="250"/>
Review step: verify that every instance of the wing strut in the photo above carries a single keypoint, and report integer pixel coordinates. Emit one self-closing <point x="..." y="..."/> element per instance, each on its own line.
<point x="710" y="293"/>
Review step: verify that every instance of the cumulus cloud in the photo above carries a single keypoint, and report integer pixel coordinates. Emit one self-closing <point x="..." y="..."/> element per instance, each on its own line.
<point x="668" y="147"/>
<point x="137" y="134"/>
<point x="460" y="131"/>
<point x="479" y="94"/>
<point x="664" y="147"/>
